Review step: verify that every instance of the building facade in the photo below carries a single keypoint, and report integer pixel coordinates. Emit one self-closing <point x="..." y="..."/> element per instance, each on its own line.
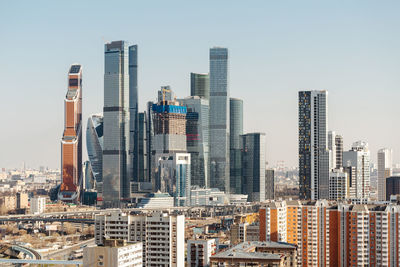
<point x="269" y="184"/>
<point x="235" y="130"/>
<point x="200" y="85"/>
<point x="313" y="153"/>
<point x="162" y="235"/>
<point x="71" y="143"/>
<point x="197" y="139"/>
<point x="357" y="163"/>
<point x="219" y="119"/>
<point x="253" y="166"/>
<point x="385" y="156"/>
<point x="119" y="80"/>
<point x="392" y="186"/>
<point x="338" y="185"/>
<point x="199" y="252"/>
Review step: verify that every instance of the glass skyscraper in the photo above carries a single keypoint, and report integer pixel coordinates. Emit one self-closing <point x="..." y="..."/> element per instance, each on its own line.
<point x="313" y="145"/>
<point x="236" y="129"/>
<point x="117" y="161"/>
<point x="219" y="119"/>
<point x="197" y="135"/>
<point x="253" y="166"/>
<point x="133" y="113"/>
<point x="94" y="145"/>
<point x="200" y="85"/>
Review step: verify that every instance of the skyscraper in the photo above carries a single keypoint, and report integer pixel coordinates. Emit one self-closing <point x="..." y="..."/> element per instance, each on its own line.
<point x="94" y="145"/>
<point x="200" y="85"/>
<point x="384" y="170"/>
<point x="269" y="184"/>
<point x="197" y="136"/>
<point x="117" y="161"/>
<point x="71" y="143"/>
<point x="235" y="130"/>
<point x="313" y="153"/>
<point x="133" y="160"/>
<point x="253" y="165"/>
<point x="219" y="119"/>
<point x="356" y="161"/>
<point x="142" y="148"/>
<point x="332" y="149"/>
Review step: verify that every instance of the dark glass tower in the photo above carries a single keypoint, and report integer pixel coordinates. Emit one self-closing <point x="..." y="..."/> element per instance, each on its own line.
<point x="200" y="85"/>
<point x="236" y="129"/>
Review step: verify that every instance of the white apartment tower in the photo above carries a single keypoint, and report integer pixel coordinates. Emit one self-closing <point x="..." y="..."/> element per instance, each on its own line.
<point x="162" y="235"/>
<point x="384" y="170"/>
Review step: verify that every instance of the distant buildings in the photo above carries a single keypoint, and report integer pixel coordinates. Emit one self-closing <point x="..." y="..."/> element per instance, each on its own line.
<point x="219" y="119"/>
<point x="253" y="165"/>
<point x="385" y="156"/>
<point x="37" y="205"/>
<point x="114" y="253"/>
<point x="313" y="153"/>
<point x="71" y="143"/>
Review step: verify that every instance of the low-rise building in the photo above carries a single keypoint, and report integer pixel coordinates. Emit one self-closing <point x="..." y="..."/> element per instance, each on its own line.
<point x="200" y="251"/>
<point x="37" y="205"/>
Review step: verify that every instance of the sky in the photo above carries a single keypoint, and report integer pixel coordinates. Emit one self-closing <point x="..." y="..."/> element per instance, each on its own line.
<point x="276" y="48"/>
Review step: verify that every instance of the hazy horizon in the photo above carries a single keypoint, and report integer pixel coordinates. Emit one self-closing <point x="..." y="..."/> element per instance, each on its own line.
<point x="351" y="49"/>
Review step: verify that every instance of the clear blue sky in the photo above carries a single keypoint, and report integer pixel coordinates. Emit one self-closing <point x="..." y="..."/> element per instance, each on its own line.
<point x="350" y="48"/>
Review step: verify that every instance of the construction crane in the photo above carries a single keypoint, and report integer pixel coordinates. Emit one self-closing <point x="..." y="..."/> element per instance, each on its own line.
<point x="165" y="90"/>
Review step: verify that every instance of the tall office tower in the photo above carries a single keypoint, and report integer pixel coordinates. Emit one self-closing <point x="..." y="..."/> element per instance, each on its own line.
<point x="133" y="161"/>
<point x="253" y="166"/>
<point x="269" y="184"/>
<point x="339" y="151"/>
<point x="384" y="170"/>
<point x="197" y="135"/>
<point x="332" y="149"/>
<point x="142" y="148"/>
<point x="117" y="161"/>
<point x="94" y="145"/>
<point x="200" y="85"/>
<point x="235" y="130"/>
<point x="219" y="119"/>
<point x="149" y="139"/>
<point x="71" y="143"/>
<point x="359" y="159"/>
<point x="313" y="153"/>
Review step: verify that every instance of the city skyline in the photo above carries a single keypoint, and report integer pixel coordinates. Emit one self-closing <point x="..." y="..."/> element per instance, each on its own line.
<point x="358" y="100"/>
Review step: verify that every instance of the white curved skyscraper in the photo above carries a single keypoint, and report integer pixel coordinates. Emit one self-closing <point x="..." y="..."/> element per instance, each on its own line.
<point x="94" y="145"/>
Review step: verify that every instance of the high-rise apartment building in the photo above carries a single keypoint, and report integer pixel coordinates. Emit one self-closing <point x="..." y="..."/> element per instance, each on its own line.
<point x="384" y="170"/>
<point x="339" y="151"/>
<point x="357" y="162"/>
<point x="120" y="80"/>
<point x="269" y="184"/>
<point x="313" y="153"/>
<point x="71" y="143"/>
<point x="219" y="119"/>
<point x="200" y="85"/>
<point x="235" y="130"/>
<point x="338" y="185"/>
<point x="253" y="165"/>
<point x="197" y="137"/>
<point x="199" y="252"/>
<point x="162" y="235"/>
<point x="332" y="149"/>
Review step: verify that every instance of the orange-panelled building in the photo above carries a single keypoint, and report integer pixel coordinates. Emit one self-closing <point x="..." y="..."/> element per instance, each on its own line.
<point x="71" y="143"/>
<point x="331" y="234"/>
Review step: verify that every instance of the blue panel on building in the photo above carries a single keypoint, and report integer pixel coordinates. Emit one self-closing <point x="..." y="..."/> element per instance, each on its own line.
<point x="169" y="109"/>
